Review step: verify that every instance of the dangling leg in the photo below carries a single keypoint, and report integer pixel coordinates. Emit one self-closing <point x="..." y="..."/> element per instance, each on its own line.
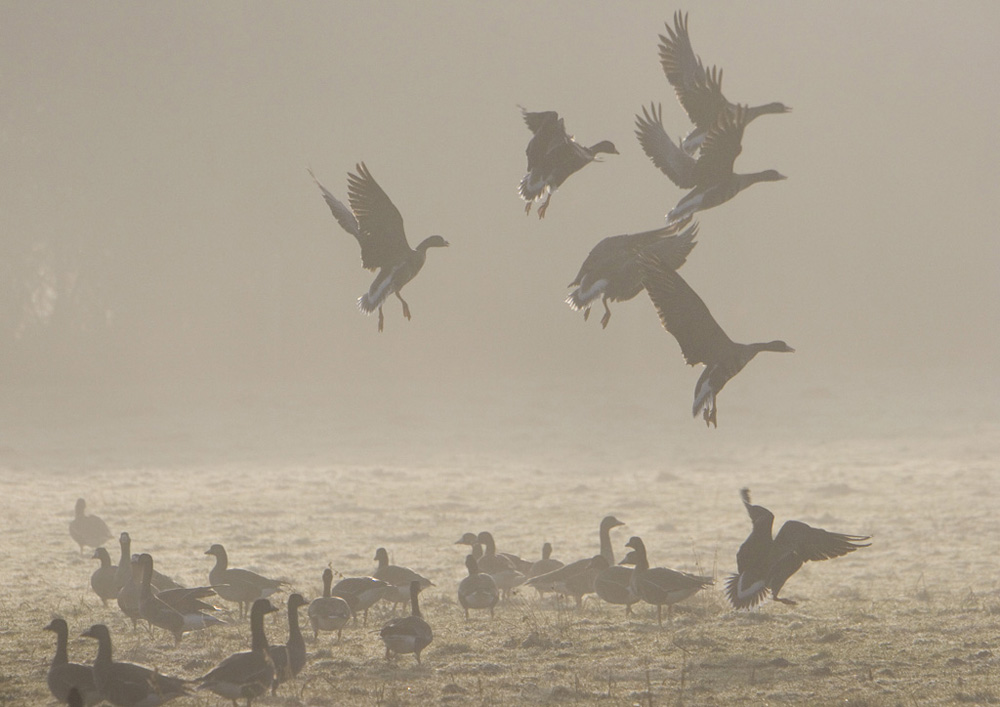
<point x="544" y="206"/>
<point x="586" y="314"/>
<point x="381" y="319"/>
<point x="527" y="210"/>
<point x="406" y="307"/>
<point x="607" y="313"/>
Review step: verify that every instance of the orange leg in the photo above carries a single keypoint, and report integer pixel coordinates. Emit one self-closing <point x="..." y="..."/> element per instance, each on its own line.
<point x="607" y="313"/>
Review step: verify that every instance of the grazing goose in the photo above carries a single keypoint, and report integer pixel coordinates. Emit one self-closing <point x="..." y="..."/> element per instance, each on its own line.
<point x="699" y="91"/>
<point x="478" y="590"/>
<point x="239" y="585"/>
<point x="160" y="580"/>
<point x="660" y="585"/>
<point x="329" y="613"/>
<point x="128" y="684"/>
<point x="612" y="270"/>
<point x="559" y="580"/>
<point x="764" y="563"/>
<point x="360" y="593"/>
<point x="65" y="676"/>
<point x="377" y="224"/>
<point x="248" y="674"/>
<point x="88" y="530"/>
<point x="552" y="157"/>
<point x="104" y="579"/>
<point x="710" y="178"/>
<point x="398" y="577"/>
<point x="683" y="313"/>
<point x="613" y="583"/>
<point x="290" y="658"/>
<point x="159" y="613"/>
<point x="409" y="634"/>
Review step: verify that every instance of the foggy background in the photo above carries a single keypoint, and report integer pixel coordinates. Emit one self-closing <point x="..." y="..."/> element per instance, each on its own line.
<point x="164" y="252"/>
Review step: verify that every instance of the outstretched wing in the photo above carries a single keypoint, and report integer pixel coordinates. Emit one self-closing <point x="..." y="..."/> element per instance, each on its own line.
<point x="797" y="543"/>
<point x="383" y="241"/>
<point x="668" y="157"/>
<point x="722" y="146"/>
<point x="536" y="121"/>
<point x="344" y="216"/>
<point x="699" y="91"/>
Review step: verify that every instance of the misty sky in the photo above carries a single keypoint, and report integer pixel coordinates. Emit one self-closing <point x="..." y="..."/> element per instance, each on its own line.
<point x="188" y="128"/>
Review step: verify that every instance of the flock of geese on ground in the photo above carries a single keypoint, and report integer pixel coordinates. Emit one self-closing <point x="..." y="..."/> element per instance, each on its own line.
<point x="764" y="564"/>
<point x="619" y="267"/>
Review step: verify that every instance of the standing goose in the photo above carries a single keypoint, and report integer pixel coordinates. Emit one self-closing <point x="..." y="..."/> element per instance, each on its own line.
<point x="613" y="583"/>
<point x="377" y="224"/>
<point x="64" y="676"/>
<point x="159" y="613"/>
<point x="160" y="580"/>
<point x="239" y="585"/>
<point x="501" y="567"/>
<point x="546" y="564"/>
<point x="289" y="659"/>
<point x="410" y="634"/>
<point x="128" y="595"/>
<point x="398" y="577"/>
<point x="660" y="585"/>
<point x="612" y="270"/>
<point x="683" y="313"/>
<point x="764" y="563"/>
<point x="472" y="540"/>
<point x="478" y="590"/>
<point x="88" y="530"/>
<point x="329" y="613"/>
<point x="710" y="178"/>
<point x="104" y="579"/>
<point x="248" y="674"/>
<point x="552" y="157"/>
<point x="128" y="684"/>
<point x="698" y="90"/>
<point x="360" y="593"/>
<point x="559" y="580"/>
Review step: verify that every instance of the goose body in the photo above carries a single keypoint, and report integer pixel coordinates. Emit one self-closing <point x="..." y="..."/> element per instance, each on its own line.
<point x="360" y="593"/>
<point x="658" y="585"/>
<point x="290" y="658"/>
<point x="552" y="157"/>
<point x="764" y="563"/>
<point x="64" y="676"/>
<point x="104" y="580"/>
<point x="398" y="577"/>
<point x="546" y="564"/>
<point x="160" y="581"/>
<point x="329" y="613"/>
<point x="410" y="634"/>
<point x="128" y="684"/>
<point x="378" y="227"/>
<point x="502" y="568"/>
<point x="87" y="530"/>
<point x="478" y="590"/>
<point x="159" y="613"/>
<point x="239" y="585"/>
<point x="613" y="583"/>
<point x="249" y="674"/>
<point x="576" y="579"/>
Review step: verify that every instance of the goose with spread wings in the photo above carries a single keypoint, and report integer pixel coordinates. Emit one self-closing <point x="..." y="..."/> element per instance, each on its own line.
<point x="683" y="313"/>
<point x="552" y="157"/>
<point x="710" y="177"/>
<point x="764" y="563"/>
<point x="698" y="89"/>
<point x="377" y="224"/>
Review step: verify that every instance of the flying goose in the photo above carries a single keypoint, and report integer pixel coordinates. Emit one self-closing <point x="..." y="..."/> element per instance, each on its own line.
<point x="158" y="612"/>
<point x="360" y="593"/>
<point x="612" y="270"/>
<point x="377" y="224"/>
<point x="329" y="613"/>
<point x="710" y="178"/>
<point x="290" y="658"/>
<point x="128" y="684"/>
<point x="104" y="579"/>
<point x="478" y="590"/>
<point x="562" y="580"/>
<point x="88" y="530"/>
<point x="660" y="585"/>
<point x="409" y="634"/>
<point x="764" y="563"/>
<point x="398" y="577"/>
<point x="698" y="90"/>
<point x="552" y="157"/>
<point x="239" y="585"/>
<point x="64" y="676"/>
<point x="248" y="674"/>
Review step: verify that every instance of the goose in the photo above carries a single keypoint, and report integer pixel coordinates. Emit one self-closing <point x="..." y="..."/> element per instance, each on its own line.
<point x="559" y="580"/>
<point x="159" y="613"/>
<point x="502" y="568"/>
<point x="88" y="530"/>
<point x="698" y="90"/>
<point x="239" y="585"/>
<point x="290" y="658"/>
<point x="329" y="613"/>
<point x="398" y="578"/>
<point x="683" y="313"/>
<point x="546" y="564"/>
<point x="764" y="563"/>
<point x="74" y="698"/>
<point x="408" y="634"/>
<point x="478" y="590"/>
<point x="360" y="593"/>
<point x="472" y="540"/>
<point x="248" y="674"/>
<point x="613" y="583"/>
<point x="128" y="595"/>
<point x="710" y="178"/>
<point x="65" y="676"/>
<point x="612" y="271"/>
<point x="160" y="580"/>
<point x="128" y="684"/>
<point x="552" y="157"/>
<point x="659" y="585"/>
<point x="377" y="224"/>
<point x="104" y="579"/>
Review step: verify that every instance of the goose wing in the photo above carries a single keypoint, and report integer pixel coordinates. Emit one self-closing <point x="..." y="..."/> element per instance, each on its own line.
<point x="797" y="543"/>
<point x="345" y="217"/>
<point x="383" y="240"/>
<point x="536" y="121"/>
<point x="722" y="146"/>
<point x="698" y="90"/>
<point x="668" y="157"/>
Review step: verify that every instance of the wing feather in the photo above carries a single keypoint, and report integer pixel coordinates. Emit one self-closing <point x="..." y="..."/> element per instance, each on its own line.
<point x="383" y="240"/>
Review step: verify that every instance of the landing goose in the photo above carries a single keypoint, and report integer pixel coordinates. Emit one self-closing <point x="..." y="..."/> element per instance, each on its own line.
<point x="398" y="577"/>
<point x="552" y="157"/>
<point x="128" y="684"/>
<point x="409" y="634"/>
<point x="239" y="585"/>
<point x="329" y="613"/>
<point x="477" y="590"/>
<point x="289" y="659"/>
<point x="764" y="563"/>
<point x="659" y="585"/>
<point x="360" y="593"/>
<point x="612" y="270"/>
<point x="88" y="530"/>
<point x="64" y="676"/>
<point x="104" y="579"/>
<point x="683" y="313"/>
<point x="559" y="580"/>
<point x="249" y="674"/>
<point x="377" y="224"/>
<point x="159" y="613"/>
